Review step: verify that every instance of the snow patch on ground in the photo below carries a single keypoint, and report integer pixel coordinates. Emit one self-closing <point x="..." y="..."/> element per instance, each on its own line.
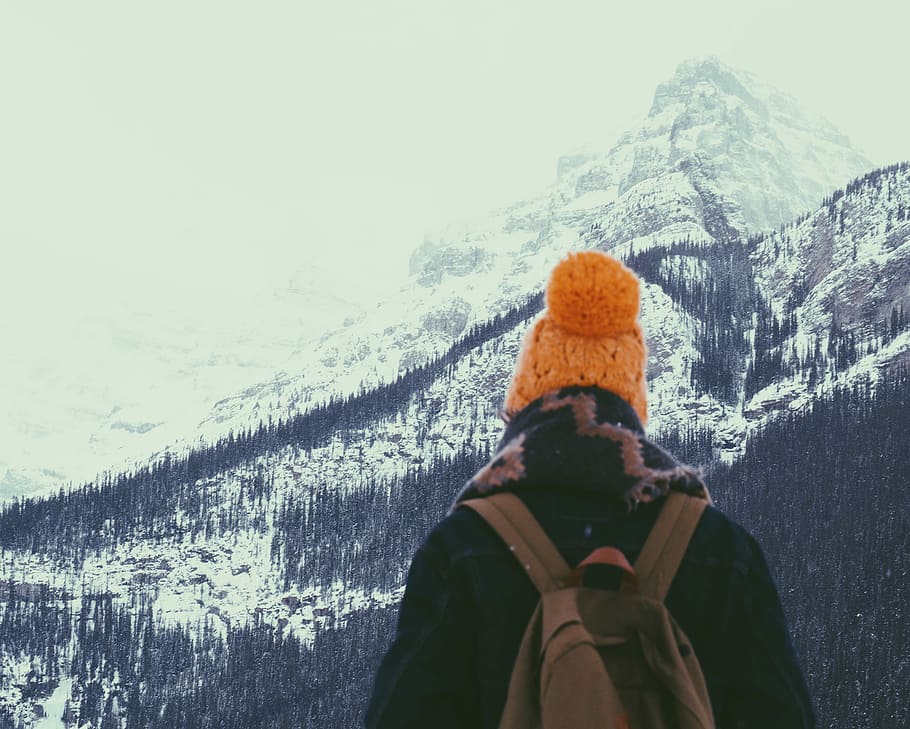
<point x="54" y="707"/>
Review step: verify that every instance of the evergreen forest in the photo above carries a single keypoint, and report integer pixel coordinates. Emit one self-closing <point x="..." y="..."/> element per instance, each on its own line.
<point x="834" y="524"/>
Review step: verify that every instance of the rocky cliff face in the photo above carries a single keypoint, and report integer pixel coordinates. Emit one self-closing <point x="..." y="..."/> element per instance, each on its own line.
<point x="848" y="262"/>
<point x="841" y="276"/>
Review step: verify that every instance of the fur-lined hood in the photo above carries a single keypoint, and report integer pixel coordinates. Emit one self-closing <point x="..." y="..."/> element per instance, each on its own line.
<point x="582" y="438"/>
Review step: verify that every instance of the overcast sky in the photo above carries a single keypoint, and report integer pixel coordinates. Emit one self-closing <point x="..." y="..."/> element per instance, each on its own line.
<point x="180" y="149"/>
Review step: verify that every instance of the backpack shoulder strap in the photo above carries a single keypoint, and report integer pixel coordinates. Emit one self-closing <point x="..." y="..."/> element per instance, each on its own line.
<point x="665" y="546"/>
<point x="517" y="527"/>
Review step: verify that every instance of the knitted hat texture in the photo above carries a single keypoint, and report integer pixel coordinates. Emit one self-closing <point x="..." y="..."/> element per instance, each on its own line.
<point x="588" y="335"/>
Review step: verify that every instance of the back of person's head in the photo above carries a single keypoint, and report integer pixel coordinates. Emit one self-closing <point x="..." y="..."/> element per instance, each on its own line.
<point x="589" y="335"/>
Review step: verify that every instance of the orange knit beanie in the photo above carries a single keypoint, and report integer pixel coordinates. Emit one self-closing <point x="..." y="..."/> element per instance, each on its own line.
<point x="588" y="335"/>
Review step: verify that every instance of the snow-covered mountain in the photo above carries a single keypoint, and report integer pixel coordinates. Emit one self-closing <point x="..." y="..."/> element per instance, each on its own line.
<point x="104" y="392"/>
<point x="769" y="160"/>
<point x="847" y="263"/>
<point x="769" y="273"/>
<point x="841" y="276"/>
<point x="716" y="145"/>
<point x="719" y="154"/>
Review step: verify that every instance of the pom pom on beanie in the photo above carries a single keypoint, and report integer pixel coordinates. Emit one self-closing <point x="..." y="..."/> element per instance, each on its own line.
<point x="592" y="294"/>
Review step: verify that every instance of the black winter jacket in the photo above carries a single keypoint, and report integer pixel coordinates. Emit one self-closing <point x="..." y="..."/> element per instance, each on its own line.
<point x="467" y="601"/>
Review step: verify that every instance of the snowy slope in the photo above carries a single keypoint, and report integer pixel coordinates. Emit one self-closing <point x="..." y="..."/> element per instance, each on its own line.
<point x="718" y="154"/>
<point x="848" y="261"/>
<point x="103" y="392"/>
<point x="843" y="273"/>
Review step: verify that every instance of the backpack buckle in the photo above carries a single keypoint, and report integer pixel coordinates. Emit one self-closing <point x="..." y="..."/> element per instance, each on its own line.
<point x="610" y="557"/>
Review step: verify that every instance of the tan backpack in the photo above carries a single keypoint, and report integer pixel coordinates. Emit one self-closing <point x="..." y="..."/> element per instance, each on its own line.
<point x="592" y="657"/>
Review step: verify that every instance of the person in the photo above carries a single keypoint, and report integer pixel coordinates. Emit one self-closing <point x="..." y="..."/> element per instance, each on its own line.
<point x="575" y="452"/>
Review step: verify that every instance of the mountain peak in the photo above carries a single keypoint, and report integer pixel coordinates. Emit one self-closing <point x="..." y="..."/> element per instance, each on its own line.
<point x="705" y="73"/>
<point x="756" y="145"/>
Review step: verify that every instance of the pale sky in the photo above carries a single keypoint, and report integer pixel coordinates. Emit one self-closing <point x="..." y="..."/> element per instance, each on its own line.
<point x="185" y="149"/>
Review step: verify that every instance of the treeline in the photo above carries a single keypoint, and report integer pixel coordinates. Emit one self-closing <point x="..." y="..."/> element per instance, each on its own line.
<point x="822" y="490"/>
<point x="895" y="175"/>
<point x="35" y="633"/>
<point x="872" y="179"/>
<point x="170" y="498"/>
<point x="824" y="493"/>
<point x="131" y="671"/>
<point x="721" y="298"/>
<point x="366" y="537"/>
<point x="775" y="355"/>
